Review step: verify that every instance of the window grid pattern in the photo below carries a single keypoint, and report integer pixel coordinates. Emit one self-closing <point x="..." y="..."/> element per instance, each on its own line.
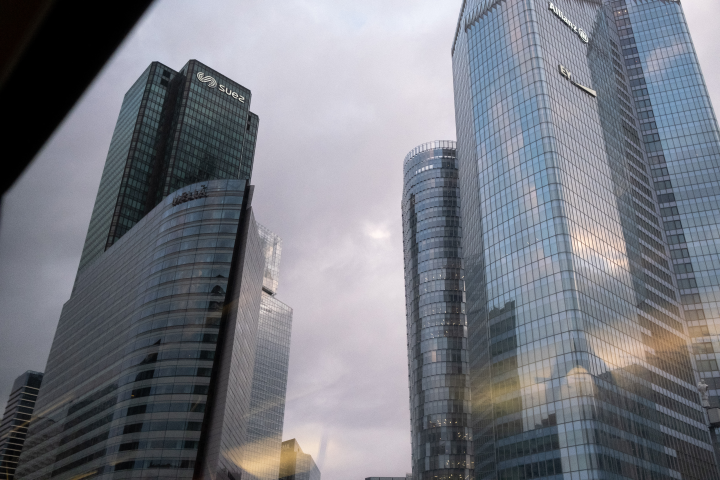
<point x="129" y="371"/>
<point x="434" y="302"/>
<point x="173" y="131"/>
<point x="113" y="171"/>
<point x="16" y="420"/>
<point x="683" y="144"/>
<point x="262" y="454"/>
<point x="149" y="134"/>
<point x="566" y="289"/>
<point x="273" y="249"/>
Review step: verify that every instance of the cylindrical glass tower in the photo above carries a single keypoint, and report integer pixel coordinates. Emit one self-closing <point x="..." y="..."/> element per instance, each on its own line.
<point x="436" y="326"/>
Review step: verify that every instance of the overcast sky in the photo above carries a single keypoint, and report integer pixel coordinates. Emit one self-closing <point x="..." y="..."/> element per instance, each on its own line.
<point x="343" y="90"/>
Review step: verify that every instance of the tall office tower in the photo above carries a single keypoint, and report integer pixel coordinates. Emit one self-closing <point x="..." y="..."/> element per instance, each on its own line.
<point x="579" y="358"/>
<point x="681" y="137"/>
<point x="15" y="421"/>
<point x="151" y="369"/>
<point x="152" y="362"/>
<point x="174" y="129"/>
<point x="295" y="464"/>
<point x="267" y="404"/>
<point x="435" y="310"/>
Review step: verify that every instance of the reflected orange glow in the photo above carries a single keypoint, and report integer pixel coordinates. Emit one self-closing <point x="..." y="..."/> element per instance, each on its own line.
<point x="250" y="459"/>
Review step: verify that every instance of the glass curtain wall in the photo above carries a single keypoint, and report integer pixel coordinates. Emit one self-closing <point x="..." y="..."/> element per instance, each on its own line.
<point x="434" y="301"/>
<point x="136" y="362"/>
<point x="579" y="359"/>
<point x="680" y="132"/>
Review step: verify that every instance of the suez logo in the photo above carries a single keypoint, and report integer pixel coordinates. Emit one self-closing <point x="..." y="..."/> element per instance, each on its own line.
<point x="212" y="83"/>
<point x="581" y="33"/>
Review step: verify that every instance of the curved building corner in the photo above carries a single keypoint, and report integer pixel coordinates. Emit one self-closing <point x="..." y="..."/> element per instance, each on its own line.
<point x="435" y="310"/>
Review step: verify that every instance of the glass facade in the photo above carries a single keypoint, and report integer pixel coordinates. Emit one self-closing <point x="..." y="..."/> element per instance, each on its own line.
<point x="112" y="175"/>
<point x="15" y="421"/>
<point x="680" y="133"/>
<point x="579" y="358"/>
<point x="435" y="306"/>
<point x="171" y="356"/>
<point x="261" y="456"/>
<point x="295" y="464"/>
<point x="174" y="129"/>
<point x="273" y="249"/>
<point x="152" y="362"/>
<point x="224" y="431"/>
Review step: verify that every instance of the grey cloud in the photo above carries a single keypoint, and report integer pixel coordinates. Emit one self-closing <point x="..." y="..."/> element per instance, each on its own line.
<point x="344" y="90"/>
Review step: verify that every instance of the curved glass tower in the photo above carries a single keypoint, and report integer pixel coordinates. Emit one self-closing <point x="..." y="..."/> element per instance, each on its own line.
<point x="139" y="375"/>
<point x="170" y="357"/>
<point x="434" y="301"/>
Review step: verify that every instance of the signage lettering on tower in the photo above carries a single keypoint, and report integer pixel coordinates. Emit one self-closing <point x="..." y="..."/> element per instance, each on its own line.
<point x="212" y="83"/>
<point x="581" y="33"/>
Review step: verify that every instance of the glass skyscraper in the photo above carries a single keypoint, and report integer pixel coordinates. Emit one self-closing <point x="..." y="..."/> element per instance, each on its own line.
<point x="174" y="129"/>
<point x="578" y="344"/>
<point x="261" y="456"/>
<point x="681" y="137"/>
<point x="167" y="333"/>
<point x="435" y="309"/>
<point x="16" y="419"/>
<point x="152" y="361"/>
